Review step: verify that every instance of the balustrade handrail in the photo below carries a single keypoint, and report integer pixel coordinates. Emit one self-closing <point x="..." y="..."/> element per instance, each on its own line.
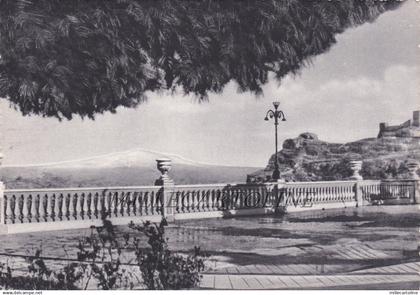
<point x="180" y="186"/>
<point x="205" y="185"/>
<point x="72" y="189"/>
<point x="316" y="183"/>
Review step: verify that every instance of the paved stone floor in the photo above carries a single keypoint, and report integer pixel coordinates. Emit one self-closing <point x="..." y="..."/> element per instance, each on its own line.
<point x="271" y="276"/>
<point x="369" y="247"/>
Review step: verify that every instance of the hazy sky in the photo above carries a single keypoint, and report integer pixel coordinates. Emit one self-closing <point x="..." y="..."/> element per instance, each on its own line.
<point x="371" y="75"/>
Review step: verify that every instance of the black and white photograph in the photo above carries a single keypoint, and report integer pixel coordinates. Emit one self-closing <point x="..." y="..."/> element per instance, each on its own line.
<point x="210" y="146"/>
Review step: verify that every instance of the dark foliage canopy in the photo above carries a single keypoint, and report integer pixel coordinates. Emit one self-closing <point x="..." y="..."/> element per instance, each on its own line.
<point x="65" y="57"/>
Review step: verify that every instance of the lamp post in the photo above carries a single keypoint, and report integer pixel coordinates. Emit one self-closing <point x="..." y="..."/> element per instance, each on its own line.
<point x="277" y="115"/>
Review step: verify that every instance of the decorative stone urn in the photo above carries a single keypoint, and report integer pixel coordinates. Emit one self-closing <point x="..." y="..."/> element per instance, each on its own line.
<point x="356" y="166"/>
<point x="164" y="165"/>
<point x="412" y="169"/>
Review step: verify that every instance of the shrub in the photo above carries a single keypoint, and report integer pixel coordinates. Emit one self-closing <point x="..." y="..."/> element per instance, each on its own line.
<point x="100" y="256"/>
<point x="161" y="269"/>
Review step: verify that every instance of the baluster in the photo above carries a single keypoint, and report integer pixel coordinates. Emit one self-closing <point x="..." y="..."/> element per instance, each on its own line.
<point x="298" y="195"/>
<point x="121" y="203"/>
<point x="235" y="198"/>
<point x="192" y="202"/>
<point x="55" y="200"/>
<point x="216" y="197"/>
<point x="9" y="213"/>
<point x="337" y="196"/>
<point x="85" y="205"/>
<point x="155" y="201"/>
<point x="211" y="199"/>
<point x="98" y="205"/>
<point x="48" y="207"/>
<point x="134" y="203"/>
<point x="108" y="203"/>
<point x="219" y="195"/>
<point x="199" y="198"/>
<point x="159" y="202"/>
<point x="115" y="203"/>
<point x="89" y="205"/>
<point x="224" y="195"/>
<point x="238" y="198"/>
<point x="242" y="194"/>
<point x="146" y="198"/>
<point x="42" y="207"/>
<point x="207" y="199"/>
<point x="219" y="199"/>
<point x="311" y="191"/>
<point x="203" y="200"/>
<point x="17" y="209"/>
<point x="127" y="203"/>
<point x="333" y="193"/>
<point x="70" y="210"/>
<point x="140" y="203"/>
<point x="186" y="201"/>
<point x="144" y="201"/>
<point x="92" y="204"/>
<point x="33" y="210"/>
<point x="302" y="192"/>
<point x="63" y="207"/>
<point x="151" y="201"/>
<point x="177" y="203"/>
<point x="78" y="206"/>
<point x="345" y="193"/>
<point x="231" y="199"/>
<point x="312" y="196"/>
<point x="25" y="209"/>
<point x="196" y="200"/>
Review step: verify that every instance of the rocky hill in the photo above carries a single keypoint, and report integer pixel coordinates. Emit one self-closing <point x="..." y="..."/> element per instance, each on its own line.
<point x="307" y="158"/>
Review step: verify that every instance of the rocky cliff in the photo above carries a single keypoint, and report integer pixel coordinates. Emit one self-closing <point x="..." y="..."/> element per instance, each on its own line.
<point x="307" y="158"/>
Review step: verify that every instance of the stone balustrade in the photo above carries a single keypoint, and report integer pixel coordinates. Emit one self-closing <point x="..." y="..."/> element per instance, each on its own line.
<point x="82" y="206"/>
<point x="310" y="194"/>
<point x="25" y="210"/>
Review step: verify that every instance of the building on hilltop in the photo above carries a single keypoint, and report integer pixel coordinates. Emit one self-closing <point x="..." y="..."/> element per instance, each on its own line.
<point x="410" y="128"/>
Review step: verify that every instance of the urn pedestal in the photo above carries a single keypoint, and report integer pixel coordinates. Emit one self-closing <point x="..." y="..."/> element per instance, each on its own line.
<point x="413" y="166"/>
<point x="356" y="166"/>
<point x="164" y="166"/>
<point x="412" y="169"/>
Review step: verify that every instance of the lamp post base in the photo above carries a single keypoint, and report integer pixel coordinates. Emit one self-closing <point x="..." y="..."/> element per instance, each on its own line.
<point x="276" y="175"/>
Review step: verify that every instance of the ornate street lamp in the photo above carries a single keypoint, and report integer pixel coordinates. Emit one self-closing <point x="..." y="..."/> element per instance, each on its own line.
<point x="277" y="115"/>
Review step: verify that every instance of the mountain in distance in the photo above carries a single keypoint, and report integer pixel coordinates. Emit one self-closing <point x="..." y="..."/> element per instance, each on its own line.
<point x="126" y="168"/>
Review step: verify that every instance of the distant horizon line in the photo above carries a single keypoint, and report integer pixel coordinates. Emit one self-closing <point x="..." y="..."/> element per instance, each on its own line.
<point x="190" y="161"/>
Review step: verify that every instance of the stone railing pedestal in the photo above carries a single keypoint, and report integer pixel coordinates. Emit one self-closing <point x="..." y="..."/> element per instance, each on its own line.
<point x="3" y="227"/>
<point x="412" y="169"/>
<point x="167" y="188"/>
<point x="356" y="166"/>
<point x="279" y="206"/>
